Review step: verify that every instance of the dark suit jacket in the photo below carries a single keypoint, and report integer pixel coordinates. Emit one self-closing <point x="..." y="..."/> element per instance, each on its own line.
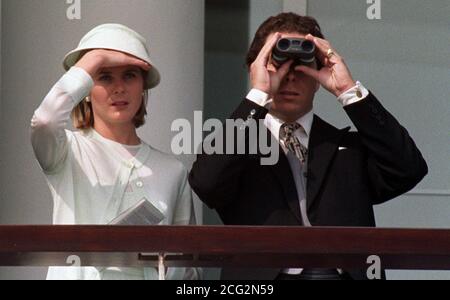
<point x="374" y="165"/>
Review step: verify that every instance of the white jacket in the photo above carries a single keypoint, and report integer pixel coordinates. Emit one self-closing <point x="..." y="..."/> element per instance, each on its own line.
<point x="88" y="174"/>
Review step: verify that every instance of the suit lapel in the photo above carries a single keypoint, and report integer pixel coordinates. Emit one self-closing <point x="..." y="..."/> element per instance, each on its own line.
<point x="323" y="145"/>
<point x="283" y="173"/>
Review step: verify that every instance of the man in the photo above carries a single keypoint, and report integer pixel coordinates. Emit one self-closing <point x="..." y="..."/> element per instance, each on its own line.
<point x="324" y="176"/>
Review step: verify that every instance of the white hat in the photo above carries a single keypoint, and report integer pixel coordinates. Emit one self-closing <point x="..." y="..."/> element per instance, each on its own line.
<point x="115" y="37"/>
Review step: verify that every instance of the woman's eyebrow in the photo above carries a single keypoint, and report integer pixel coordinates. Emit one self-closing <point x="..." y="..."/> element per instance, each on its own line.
<point x="132" y="69"/>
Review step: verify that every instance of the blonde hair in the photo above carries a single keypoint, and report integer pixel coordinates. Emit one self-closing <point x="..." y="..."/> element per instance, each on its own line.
<point x="83" y="114"/>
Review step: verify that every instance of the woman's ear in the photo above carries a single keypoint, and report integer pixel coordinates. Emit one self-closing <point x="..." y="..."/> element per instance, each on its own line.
<point x="317" y="86"/>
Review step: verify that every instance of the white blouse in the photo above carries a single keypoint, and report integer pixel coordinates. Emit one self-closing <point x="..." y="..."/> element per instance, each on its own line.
<point x="93" y="179"/>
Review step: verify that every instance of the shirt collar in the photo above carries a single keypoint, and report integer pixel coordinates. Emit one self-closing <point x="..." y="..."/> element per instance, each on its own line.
<point x="274" y="124"/>
<point x="137" y="161"/>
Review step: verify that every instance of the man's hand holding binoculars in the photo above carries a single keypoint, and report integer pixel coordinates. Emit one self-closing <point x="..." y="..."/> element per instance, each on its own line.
<point x="335" y="76"/>
<point x="264" y="75"/>
<point x="278" y="55"/>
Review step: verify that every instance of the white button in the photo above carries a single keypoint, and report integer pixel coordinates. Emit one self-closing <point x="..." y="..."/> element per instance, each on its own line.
<point x="139" y="184"/>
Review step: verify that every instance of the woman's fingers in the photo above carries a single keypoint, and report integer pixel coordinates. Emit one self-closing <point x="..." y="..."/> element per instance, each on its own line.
<point x="124" y="59"/>
<point x="139" y="63"/>
<point x="112" y="58"/>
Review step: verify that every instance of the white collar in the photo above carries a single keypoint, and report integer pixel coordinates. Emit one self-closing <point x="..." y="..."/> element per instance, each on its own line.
<point x="274" y="124"/>
<point x="137" y="161"/>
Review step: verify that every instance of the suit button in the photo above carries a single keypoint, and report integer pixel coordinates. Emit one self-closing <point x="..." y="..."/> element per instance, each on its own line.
<point x="139" y="184"/>
<point x="253" y="112"/>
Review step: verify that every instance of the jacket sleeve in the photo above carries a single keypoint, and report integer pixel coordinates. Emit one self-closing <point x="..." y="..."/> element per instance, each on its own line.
<point x="395" y="164"/>
<point x="48" y="136"/>
<point x="216" y="177"/>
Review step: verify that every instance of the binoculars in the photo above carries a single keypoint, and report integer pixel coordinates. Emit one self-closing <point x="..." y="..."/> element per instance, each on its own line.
<point x="301" y="51"/>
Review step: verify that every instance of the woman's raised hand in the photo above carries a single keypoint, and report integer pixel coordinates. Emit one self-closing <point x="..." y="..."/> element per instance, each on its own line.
<point x="97" y="59"/>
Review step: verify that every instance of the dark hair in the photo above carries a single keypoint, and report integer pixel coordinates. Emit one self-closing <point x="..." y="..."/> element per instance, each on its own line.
<point x="284" y="22"/>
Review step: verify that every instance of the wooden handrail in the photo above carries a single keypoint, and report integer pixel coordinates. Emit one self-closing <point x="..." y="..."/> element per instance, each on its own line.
<point x="225" y="246"/>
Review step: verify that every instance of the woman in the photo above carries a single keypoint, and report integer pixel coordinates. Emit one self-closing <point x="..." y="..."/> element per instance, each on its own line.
<point x="104" y="168"/>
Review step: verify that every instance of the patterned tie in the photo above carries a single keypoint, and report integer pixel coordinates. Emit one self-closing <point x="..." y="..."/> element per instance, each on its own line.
<point x="291" y="141"/>
<point x="297" y="150"/>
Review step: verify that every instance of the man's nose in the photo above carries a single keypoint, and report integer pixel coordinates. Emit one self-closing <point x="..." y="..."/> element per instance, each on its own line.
<point x="291" y="75"/>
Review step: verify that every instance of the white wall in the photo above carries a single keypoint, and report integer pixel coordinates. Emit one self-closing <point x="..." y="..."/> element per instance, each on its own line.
<point x="260" y="10"/>
<point x="35" y="37"/>
<point x="298" y="6"/>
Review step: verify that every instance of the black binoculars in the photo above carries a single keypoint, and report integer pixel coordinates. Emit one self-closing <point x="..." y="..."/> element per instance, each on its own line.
<point x="301" y="51"/>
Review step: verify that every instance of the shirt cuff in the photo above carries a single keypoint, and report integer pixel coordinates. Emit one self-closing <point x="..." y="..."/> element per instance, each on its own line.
<point x="353" y="95"/>
<point x="77" y="83"/>
<point x="259" y="97"/>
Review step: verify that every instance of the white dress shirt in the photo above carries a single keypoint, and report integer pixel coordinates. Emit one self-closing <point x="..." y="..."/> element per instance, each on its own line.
<point x="353" y="95"/>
